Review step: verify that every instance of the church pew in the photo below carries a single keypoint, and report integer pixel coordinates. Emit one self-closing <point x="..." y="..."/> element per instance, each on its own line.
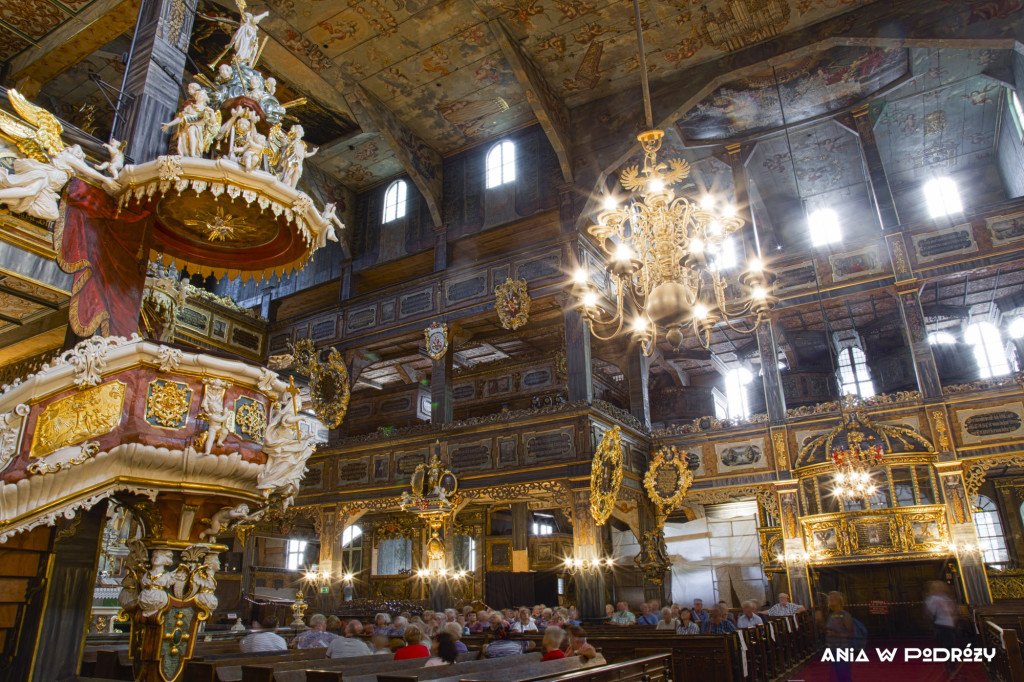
<point x="1008" y="663"/>
<point x="227" y="669"/>
<point x="356" y="665"/>
<point x="438" y="672"/>
<point x="656" y="668"/>
<point x="499" y="670"/>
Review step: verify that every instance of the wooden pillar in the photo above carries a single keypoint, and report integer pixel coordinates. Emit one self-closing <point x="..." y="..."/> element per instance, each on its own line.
<point x="520" y="537"/>
<point x="909" y="299"/>
<point x="774" y="396"/>
<point x="888" y="218"/>
<point x="580" y="380"/>
<point x="586" y="541"/>
<point x="441" y="400"/>
<point x="637" y="371"/>
<point x="345" y="289"/>
<point x="154" y="76"/>
<point x="793" y="543"/>
<point x="440" y="248"/>
<point x="962" y="533"/>
<point x="49" y="645"/>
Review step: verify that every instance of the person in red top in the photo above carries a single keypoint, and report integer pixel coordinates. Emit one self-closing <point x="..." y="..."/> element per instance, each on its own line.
<point x="552" y="643"/>
<point x="413" y="646"/>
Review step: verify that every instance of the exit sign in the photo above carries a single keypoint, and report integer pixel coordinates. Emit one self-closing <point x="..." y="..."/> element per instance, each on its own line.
<point x="324" y="589"/>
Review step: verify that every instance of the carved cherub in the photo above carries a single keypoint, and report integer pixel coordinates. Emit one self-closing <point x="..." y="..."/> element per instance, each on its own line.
<point x="329" y="216"/>
<point x="116" y="150"/>
<point x="216" y="413"/>
<point x="154" y="583"/>
<point x="220" y="521"/>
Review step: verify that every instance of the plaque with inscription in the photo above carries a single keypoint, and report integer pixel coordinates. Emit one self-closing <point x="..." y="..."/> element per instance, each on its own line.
<point x="507" y="455"/>
<point x="548" y="266"/>
<point x="364" y="318"/>
<point x="406" y="463"/>
<point x="549" y="445"/>
<point x="352" y="472"/>
<point x="944" y="243"/>
<point x="996" y="422"/>
<point x="471" y="456"/>
<point x="415" y="303"/>
<point x="474" y="287"/>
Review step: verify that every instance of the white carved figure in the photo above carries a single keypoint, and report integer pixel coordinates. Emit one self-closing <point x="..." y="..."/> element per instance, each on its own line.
<point x="330" y="216"/>
<point x="238" y="626"/>
<point x="286" y="449"/>
<point x="35" y="185"/>
<point x="154" y="596"/>
<point x="220" y="521"/>
<point x="10" y="433"/>
<point x="116" y="162"/>
<point x="248" y="148"/>
<point x="295" y="156"/>
<point x="135" y="562"/>
<point x="216" y="413"/>
<point x="198" y="123"/>
<point x="204" y="580"/>
<point x="245" y="42"/>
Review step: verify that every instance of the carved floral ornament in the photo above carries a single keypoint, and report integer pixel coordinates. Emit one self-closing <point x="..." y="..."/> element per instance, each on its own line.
<point x="668" y="479"/>
<point x="606" y="475"/>
<point x="858" y="428"/>
<point x="512" y="302"/>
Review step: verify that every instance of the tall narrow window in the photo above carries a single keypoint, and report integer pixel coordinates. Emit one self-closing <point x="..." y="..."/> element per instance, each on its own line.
<point x="543" y="524"/>
<point x="824" y="227"/>
<point x="990" y="531"/>
<point x="352" y="550"/>
<point x="394" y="556"/>
<point x="988" y="349"/>
<point x="736" y="393"/>
<point x="501" y="164"/>
<point x="853" y="370"/>
<point x="394" y="201"/>
<point x="942" y="197"/>
<point x="295" y="555"/>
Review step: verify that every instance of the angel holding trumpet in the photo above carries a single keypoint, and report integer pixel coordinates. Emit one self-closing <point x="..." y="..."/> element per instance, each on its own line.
<point x="245" y="41"/>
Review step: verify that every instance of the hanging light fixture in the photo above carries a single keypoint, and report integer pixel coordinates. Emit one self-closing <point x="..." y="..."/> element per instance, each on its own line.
<point x="853" y="463"/>
<point x="666" y="253"/>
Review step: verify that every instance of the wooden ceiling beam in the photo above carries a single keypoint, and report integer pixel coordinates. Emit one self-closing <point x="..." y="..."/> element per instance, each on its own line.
<point x="549" y="109"/>
<point x="420" y="160"/>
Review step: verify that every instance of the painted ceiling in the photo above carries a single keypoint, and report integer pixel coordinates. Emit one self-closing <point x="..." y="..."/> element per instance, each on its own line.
<point x="26" y="22"/>
<point x="794" y="91"/>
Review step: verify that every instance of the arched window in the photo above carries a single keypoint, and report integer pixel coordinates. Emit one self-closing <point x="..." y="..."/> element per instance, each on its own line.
<point x="988" y="349"/>
<point x="736" y="393"/>
<point x="942" y="197"/>
<point x="1016" y="328"/>
<point x="941" y="338"/>
<point x="352" y="550"/>
<point x="990" y="531"/>
<point x="853" y="371"/>
<point x="394" y="201"/>
<point x="465" y="553"/>
<point x="501" y="164"/>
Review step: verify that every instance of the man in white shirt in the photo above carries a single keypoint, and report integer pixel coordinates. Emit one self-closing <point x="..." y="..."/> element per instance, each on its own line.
<point x="749" y="619"/>
<point x="784" y="607"/>
<point x="265" y="639"/>
<point x="350" y="645"/>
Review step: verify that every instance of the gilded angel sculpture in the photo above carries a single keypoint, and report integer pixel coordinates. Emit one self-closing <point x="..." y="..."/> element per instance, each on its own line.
<point x="35" y="185"/>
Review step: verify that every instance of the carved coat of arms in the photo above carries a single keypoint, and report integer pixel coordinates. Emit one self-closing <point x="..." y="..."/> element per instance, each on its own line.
<point x="512" y="303"/>
<point x="437" y="340"/>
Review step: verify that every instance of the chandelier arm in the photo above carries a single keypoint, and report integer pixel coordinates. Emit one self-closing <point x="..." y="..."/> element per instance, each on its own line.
<point x="738" y="330"/>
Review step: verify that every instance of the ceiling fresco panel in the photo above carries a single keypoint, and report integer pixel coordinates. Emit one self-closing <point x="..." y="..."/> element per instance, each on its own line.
<point x="810" y="86"/>
<point x="34" y="18"/>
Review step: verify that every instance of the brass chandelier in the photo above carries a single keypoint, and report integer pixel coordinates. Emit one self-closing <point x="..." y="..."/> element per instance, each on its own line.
<point x="667" y="254"/>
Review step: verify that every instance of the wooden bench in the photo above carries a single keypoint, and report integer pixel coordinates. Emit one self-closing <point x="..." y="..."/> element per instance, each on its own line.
<point x="499" y="670"/>
<point x="657" y="668"/>
<point x="355" y="665"/>
<point x="1008" y="664"/>
<point x="230" y="669"/>
<point x="439" y="672"/>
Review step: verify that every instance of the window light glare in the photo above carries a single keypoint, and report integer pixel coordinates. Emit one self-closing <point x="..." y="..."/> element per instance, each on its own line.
<point x="501" y="164"/>
<point x="1016" y="328"/>
<point x="942" y="197"/>
<point x="941" y="338"/>
<point x="394" y="201"/>
<point x="824" y="227"/>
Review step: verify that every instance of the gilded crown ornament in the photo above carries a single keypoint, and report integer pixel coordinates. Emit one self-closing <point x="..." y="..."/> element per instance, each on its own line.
<point x="512" y="303"/>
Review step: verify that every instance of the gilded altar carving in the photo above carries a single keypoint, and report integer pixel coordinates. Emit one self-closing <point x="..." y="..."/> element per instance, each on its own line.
<point x="167" y="404"/>
<point x="606" y="475"/>
<point x="77" y="417"/>
<point x="652" y="560"/>
<point x="250" y="419"/>
<point x="1008" y="584"/>
<point x="329" y="389"/>
<point x="512" y="302"/>
<point x="859" y="428"/>
<point x="668" y="479"/>
<point x="781" y="452"/>
<point x="942" y="439"/>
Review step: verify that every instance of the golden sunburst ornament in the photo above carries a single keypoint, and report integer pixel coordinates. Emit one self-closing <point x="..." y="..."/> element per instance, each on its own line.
<point x="219" y="226"/>
<point x="606" y="475"/>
